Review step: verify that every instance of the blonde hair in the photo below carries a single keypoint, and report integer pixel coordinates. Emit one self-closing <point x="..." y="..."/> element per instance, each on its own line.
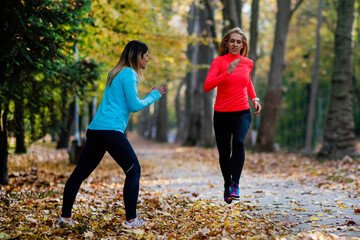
<point x="130" y="57"/>
<point x="223" y="48"/>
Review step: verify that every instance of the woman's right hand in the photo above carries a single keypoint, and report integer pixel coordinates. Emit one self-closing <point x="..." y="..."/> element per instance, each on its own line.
<point x="233" y="65"/>
<point x="162" y="90"/>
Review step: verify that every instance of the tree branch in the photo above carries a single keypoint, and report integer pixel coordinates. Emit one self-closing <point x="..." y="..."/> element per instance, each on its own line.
<point x="296" y="7"/>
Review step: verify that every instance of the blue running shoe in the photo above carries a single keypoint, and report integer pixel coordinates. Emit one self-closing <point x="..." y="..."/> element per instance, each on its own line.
<point x="227" y="191"/>
<point x="235" y="191"/>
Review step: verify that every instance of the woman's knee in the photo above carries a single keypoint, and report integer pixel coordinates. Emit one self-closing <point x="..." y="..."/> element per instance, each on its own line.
<point x="135" y="170"/>
<point x="238" y="143"/>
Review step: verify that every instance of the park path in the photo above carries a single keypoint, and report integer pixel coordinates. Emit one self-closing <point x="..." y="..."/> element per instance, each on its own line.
<point x="278" y="187"/>
<point x="192" y="172"/>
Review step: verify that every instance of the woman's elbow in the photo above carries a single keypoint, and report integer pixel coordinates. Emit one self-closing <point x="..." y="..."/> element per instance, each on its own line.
<point x="134" y="108"/>
<point x="207" y="88"/>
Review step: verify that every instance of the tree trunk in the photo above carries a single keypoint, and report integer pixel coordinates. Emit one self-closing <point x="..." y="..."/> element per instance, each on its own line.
<point x="198" y="123"/>
<point x="254" y="36"/>
<point x="67" y="127"/>
<point x="4" y="176"/>
<point x="206" y="112"/>
<point x="211" y="21"/>
<point x="272" y="100"/>
<point x="85" y="114"/>
<point x="19" y="123"/>
<point x="356" y="64"/>
<point x="180" y="114"/>
<point x="144" y="127"/>
<point x="162" y="124"/>
<point x="232" y="14"/>
<point x="314" y="84"/>
<point x="141" y="125"/>
<point x="54" y="121"/>
<point x="253" y="55"/>
<point x="339" y="137"/>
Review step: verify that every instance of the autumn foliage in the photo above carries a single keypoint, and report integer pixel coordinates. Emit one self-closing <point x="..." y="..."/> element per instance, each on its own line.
<point x="31" y="204"/>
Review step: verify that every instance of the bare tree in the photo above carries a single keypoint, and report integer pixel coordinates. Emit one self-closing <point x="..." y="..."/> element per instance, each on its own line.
<point x="339" y="136"/>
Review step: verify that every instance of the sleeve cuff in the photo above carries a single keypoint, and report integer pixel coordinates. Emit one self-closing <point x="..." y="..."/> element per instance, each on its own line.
<point x="155" y="93"/>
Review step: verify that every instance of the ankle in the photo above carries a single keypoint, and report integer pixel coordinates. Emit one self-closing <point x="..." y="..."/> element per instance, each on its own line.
<point x="67" y="218"/>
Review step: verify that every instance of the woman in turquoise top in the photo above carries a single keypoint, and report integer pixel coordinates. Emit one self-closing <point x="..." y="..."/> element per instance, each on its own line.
<point x="106" y="131"/>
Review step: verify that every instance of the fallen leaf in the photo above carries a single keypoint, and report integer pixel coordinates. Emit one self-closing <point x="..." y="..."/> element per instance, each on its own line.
<point x="314" y="218"/>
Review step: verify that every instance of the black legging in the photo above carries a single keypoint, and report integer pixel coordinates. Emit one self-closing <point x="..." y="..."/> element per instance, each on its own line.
<point x="98" y="142"/>
<point x="231" y="158"/>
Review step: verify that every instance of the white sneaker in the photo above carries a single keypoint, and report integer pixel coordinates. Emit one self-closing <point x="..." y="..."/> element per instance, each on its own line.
<point x="136" y="223"/>
<point x="63" y="220"/>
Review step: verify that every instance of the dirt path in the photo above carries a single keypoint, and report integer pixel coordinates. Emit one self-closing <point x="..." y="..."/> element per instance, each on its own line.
<point x="191" y="172"/>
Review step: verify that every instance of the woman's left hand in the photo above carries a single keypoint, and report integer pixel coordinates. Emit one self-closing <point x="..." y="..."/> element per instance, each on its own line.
<point x="257" y="107"/>
<point x="162" y="90"/>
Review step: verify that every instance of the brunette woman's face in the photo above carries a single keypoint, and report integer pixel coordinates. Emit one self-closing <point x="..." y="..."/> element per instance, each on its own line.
<point x="144" y="59"/>
<point x="235" y="43"/>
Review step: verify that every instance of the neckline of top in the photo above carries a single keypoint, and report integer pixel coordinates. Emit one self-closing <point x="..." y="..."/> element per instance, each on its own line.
<point x="233" y="56"/>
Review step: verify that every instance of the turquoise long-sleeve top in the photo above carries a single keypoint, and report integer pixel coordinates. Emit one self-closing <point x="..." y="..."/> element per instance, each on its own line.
<point x="119" y="100"/>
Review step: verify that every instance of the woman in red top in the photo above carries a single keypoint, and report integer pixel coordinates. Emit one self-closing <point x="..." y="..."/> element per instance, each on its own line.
<point x="230" y="73"/>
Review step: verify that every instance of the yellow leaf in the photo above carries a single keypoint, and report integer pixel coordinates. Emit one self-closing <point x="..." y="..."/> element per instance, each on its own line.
<point x="320" y="215"/>
<point x="235" y="213"/>
<point x="314" y="218"/>
<point x="340" y="205"/>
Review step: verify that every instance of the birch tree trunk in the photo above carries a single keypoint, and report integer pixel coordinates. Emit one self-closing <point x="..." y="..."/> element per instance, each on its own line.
<point x="314" y="83"/>
<point x="271" y="104"/>
<point x="339" y="137"/>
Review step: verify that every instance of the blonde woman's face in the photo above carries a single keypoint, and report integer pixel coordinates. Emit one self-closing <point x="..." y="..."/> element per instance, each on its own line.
<point x="144" y="60"/>
<point x="235" y="43"/>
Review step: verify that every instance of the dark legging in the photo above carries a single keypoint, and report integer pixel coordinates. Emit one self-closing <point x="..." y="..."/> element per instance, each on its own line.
<point x="231" y="157"/>
<point x="98" y="142"/>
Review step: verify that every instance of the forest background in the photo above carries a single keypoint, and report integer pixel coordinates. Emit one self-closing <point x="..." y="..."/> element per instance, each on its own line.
<point x="56" y="55"/>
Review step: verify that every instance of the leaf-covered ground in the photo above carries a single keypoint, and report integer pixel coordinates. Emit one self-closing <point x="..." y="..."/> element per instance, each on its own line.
<point x="283" y="196"/>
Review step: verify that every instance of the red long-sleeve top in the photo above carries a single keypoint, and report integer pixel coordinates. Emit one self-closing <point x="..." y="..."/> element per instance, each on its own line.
<point x="232" y="89"/>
